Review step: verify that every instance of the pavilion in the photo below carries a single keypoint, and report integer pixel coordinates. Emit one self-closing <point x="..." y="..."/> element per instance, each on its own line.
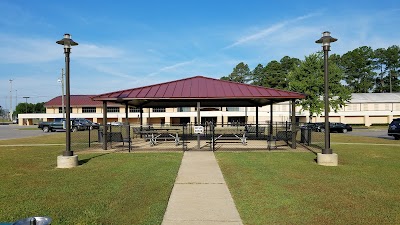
<point x="199" y="91"/>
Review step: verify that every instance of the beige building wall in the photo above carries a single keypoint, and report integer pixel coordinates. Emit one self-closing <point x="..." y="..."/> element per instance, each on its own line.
<point x="367" y="113"/>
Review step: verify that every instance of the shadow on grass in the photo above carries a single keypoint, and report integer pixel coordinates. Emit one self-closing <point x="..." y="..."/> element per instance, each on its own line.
<point x="312" y="148"/>
<point x="83" y="161"/>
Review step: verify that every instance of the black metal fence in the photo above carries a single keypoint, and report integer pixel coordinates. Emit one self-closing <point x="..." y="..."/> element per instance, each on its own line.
<point x="215" y="137"/>
<point x="84" y="139"/>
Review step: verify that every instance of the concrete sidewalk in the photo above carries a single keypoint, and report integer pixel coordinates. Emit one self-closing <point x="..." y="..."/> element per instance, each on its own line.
<point x="200" y="194"/>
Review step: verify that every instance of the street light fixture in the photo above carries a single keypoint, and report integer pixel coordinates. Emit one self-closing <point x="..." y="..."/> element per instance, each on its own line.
<point x="325" y="40"/>
<point x="26" y="104"/>
<point x="67" y="42"/>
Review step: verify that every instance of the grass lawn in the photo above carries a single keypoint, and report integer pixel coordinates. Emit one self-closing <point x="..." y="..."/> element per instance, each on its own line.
<point x="290" y="188"/>
<point x="28" y="128"/>
<point x="79" y="140"/>
<point x="114" y="188"/>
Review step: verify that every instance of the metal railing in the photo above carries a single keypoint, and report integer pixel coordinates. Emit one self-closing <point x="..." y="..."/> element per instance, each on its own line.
<point x="181" y="137"/>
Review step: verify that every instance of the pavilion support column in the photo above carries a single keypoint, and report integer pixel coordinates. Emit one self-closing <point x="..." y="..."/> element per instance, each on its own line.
<point x="293" y="121"/>
<point x="149" y="118"/>
<point x="245" y="115"/>
<point x="256" y="121"/>
<point x="104" y="125"/>
<point x="141" y="120"/>
<point x="141" y="117"/>
<point x="271" y="116"/>
<point x="198" y="124"/>
<point x="126" y="113"/>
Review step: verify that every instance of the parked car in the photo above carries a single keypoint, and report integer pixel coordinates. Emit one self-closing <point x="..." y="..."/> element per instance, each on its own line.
<point x="394" y="129"/>
<point x="340" y="127"/>
<point x="316" y="127"/>
<point x="115" y="123"/>
<point x="88" y="124"/>
<point x="58" y="124"/>
<point x="333" y="127"/>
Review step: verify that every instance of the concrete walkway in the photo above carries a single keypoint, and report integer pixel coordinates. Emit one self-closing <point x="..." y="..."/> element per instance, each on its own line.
<point x="200" y="194"/>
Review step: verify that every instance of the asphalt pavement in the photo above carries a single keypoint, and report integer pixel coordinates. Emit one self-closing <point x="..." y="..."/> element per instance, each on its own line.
<point x="378" y="133"/>
<point x="13" y="131"/>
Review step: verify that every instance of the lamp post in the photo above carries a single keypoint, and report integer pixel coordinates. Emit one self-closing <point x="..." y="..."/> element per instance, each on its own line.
<point x="26" y="104"/>
<point x="325" y="40"/>
<point x="67" y="42"/>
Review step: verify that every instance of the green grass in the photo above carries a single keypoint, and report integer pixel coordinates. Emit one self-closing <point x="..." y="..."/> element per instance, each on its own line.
<point x="268" y="187"/>
<point x="114" y="188"/>
<point x="79" y="140"/>
<point x="290" y="188"/>
<point x="28" y="128"/>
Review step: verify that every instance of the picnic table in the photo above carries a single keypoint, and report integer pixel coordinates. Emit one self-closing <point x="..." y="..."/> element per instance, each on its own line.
<point x="154" y="135"/>
<point x="235" y="136"/>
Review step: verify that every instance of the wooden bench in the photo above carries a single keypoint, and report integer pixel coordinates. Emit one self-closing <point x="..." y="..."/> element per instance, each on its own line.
<point x="116" y="137"/>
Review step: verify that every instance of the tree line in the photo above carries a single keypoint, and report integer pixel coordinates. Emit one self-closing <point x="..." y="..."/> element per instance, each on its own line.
<point x="362" y="70"/>
<point x="24" y="107"/>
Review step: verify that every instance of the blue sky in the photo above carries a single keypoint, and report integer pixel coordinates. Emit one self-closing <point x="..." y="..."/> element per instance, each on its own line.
<point x="128" y="44"/>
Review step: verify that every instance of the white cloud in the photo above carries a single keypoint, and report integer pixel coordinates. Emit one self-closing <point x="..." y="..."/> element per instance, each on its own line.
<point x="172" y="67"/>
<point x="16" y="49"/>
<point x="97" y="51"/>
<point x="108" y="70"/>
<point x="269" y="30"/>
<point x="27" y="50"/>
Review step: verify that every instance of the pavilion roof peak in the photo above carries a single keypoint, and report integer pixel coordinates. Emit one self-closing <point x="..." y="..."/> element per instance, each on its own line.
<point x="199" y="88"/>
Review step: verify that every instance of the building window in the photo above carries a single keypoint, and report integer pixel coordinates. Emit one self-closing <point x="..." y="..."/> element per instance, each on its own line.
<point x="134" y="110"/>
<point x="65" y="109"/>
<point x="183" y="109"/>
<point x="232" y="109"/>
<point x="158" y="109"/>
<point x="113" y="109"/>
<point x="88" y="109"/>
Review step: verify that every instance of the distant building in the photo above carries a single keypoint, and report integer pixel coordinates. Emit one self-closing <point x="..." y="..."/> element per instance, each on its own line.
<point x="364" y="109"/>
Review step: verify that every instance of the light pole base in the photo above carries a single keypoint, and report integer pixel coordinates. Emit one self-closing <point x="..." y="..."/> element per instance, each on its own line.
<point x="327" y="159"/>
<point x="67" y="161"/>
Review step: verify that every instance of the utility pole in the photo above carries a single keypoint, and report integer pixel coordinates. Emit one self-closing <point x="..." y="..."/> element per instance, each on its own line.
<point x="26" y="104"/>
<point x="11" y="111"/>
<point x="62" y="91"/>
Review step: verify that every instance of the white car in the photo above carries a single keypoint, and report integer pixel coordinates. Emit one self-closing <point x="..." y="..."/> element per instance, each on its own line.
<point x="115" y="123"/>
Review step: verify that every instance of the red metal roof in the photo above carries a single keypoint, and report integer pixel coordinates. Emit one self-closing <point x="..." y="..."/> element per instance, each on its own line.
<point x="199" y="87"/>
<point x="75" y="100"/>
<point x="209" y="92"/>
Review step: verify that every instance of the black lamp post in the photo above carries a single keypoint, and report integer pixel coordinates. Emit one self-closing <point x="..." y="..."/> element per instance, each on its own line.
<point x="26" y="104"/>
<point x="325" y="40"/>
<point x="67" y="42"/>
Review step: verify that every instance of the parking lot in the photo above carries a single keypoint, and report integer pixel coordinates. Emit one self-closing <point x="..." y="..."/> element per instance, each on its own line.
<point x="378" y="133"/>
<point x="14" y="131"/>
